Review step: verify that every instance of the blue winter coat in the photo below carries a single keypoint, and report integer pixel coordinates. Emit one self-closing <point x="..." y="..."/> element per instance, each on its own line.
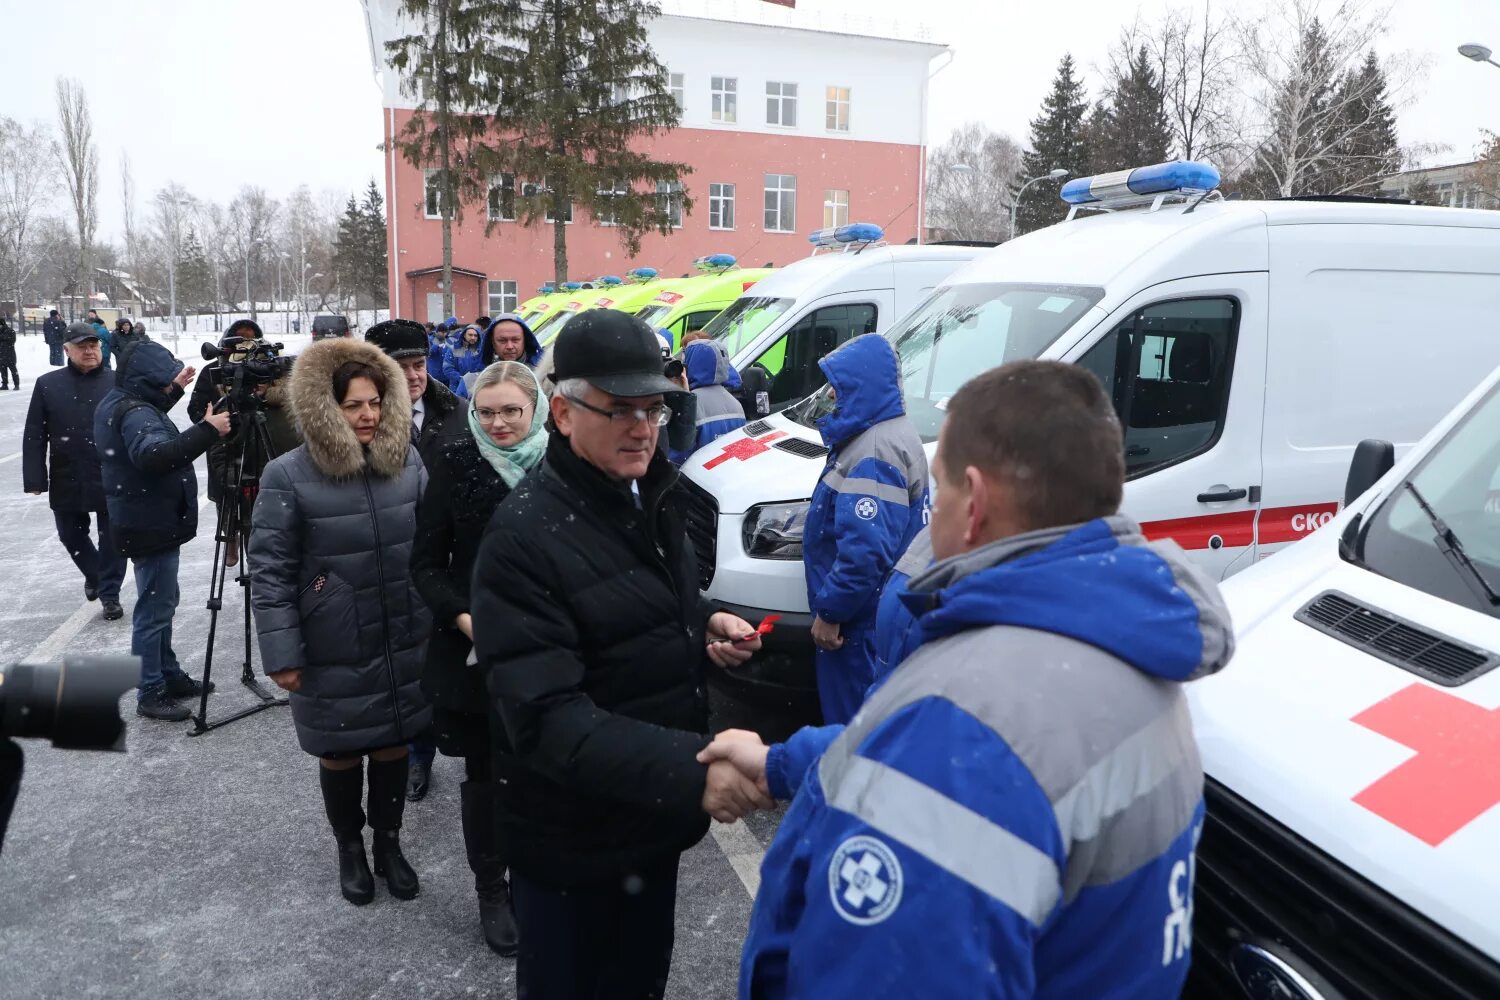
<point x="708" y="371"/>
<point x="104" y="340"/>
<point x="459" y="360"/>
<point x="436" y="347"/>
<point x="146" y="465"/>
<point x="872" y="497"/>
<point x="1013" y="813"/>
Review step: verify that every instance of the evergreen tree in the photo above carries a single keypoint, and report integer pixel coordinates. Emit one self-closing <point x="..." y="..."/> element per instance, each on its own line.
<point x="1423" y="192"/>
<point x="375" y="260"/>
<point x="348" y="246"/>
<point x="1130" y="128"/>
<point x="1365" y="148"/>
<point x="1294" y="155"/>
<point x="1057" y="140"/>
<point x="195" y="276"/>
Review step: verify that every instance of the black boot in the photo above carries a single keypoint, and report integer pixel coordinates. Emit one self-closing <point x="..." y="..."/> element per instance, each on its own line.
<point x="387" y="804"/>
<point x="482" y="842"/>
<point x="341" y="801"/>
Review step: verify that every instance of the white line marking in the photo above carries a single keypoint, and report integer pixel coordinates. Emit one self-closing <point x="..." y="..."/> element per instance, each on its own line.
<point x="10" y="458"/>
<point x="742" y="850"/>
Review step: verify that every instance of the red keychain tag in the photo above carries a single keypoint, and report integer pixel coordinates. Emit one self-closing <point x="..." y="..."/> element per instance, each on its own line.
<point x="766" y="627"/>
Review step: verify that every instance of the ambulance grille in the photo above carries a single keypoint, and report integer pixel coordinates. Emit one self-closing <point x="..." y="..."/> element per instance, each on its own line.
<point x="702" y="529"/>
<point x="797" y="446"/>
<point x="1395" y="640"/>
<point x="757" y="428"/>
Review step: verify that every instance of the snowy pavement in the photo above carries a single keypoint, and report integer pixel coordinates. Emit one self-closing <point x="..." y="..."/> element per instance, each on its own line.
<point x="204" y="866"/>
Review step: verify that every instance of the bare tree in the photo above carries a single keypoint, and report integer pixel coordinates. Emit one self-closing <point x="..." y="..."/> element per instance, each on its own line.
<point x="28" y="181"/>
<point x="213" y="224"/>
<point x="80" y="163"/>
<point x="174" y="209"/>
<point x="127" y="203"/>
<point x="251" y="216"/>
<point x="969" y="181"/>
<point x="1484" y="175"/>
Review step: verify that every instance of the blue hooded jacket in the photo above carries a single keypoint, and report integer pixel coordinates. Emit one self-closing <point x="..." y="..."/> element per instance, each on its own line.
<point x="459" y="359"/>
<point x="531" y="352"/>
<point x="146" y="465"/>
<point x="872" y="498"/>
<point x="708" y="368"/>
<point x="437" y="344"/>
<point x="1013" y="812"/>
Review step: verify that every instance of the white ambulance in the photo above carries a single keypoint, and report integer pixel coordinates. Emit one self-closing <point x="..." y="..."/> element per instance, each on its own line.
<point x="1249" y="345"/>
<point x="852" y="284"/>
<point x="1352" y="747"/>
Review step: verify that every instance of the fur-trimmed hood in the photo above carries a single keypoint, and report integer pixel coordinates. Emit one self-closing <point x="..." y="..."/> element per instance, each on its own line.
<point x="329" y="439"/>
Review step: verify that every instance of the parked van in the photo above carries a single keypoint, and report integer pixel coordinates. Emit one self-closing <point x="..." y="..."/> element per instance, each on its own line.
<point x="573" y="301"/>
<point x="1352" y="748"/>
<point x="538" y="304"/>
<point x="1248" y="347"/>
<point x="853" y="284"/>
<point x="612" y="293"/>
<point x="688" y="304"/>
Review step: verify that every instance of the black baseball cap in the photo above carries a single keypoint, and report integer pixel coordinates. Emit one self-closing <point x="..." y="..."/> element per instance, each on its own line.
<point x="79" y="332"/>
<point x="612" y="351"/>
<point x="399" y="338"/>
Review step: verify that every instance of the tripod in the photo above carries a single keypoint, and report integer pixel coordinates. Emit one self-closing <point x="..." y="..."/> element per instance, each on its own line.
<point x="241" y="483"/>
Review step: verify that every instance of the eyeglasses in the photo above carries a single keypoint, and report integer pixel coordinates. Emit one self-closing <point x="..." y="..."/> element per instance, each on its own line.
<point x="510" y="414"/>
<point x="657" y="414"/>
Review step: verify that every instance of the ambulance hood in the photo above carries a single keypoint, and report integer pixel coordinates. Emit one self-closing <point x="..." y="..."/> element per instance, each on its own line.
<point x="1279" y="730"/>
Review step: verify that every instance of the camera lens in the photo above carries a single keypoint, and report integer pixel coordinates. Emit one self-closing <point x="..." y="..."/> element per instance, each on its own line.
<point x="75" y="703"/>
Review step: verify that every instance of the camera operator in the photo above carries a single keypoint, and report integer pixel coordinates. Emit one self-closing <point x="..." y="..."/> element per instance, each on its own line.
<point x="281" y="428"/>
<point x="152" y="495"/>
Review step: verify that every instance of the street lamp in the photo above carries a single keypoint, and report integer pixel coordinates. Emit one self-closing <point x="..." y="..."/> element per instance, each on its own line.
<point x="1478" y="53"/>
<point x="1055" y="174"/>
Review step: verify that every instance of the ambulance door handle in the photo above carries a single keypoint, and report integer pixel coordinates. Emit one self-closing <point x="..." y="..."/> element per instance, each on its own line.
<point x="1223" y="496"/>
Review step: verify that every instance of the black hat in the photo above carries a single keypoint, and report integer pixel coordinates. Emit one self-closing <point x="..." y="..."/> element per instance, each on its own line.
<point x="54" y="312"/>
<point x="612" y="351"/>
<point x="79" y="332"/>
<point x="244" y="328"/>
<point x="399" y="338"/>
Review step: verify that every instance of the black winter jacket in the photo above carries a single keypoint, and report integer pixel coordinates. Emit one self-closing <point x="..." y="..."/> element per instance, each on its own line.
<point x="591" y="635"/>
<point x="444" y="420"/>
<point x="57" y="449"/>
<point x="330" y="550"/>
<point x="146" y="464"/>
<point x="54" y="330"/>
<point x="281" y="429"/>
<point x="7" y="344"/>
<point x="463" y="491"/>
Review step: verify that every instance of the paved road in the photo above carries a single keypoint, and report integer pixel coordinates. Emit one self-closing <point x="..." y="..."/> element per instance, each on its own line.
<point x="205" y="866"/>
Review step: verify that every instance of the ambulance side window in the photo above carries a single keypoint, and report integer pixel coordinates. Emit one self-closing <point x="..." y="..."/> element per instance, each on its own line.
<point x="1167" y="368"/>
<point x="792" y="361"/>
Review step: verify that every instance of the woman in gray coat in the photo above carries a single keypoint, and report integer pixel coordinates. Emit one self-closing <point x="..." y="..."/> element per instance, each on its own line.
<point x="340" y="625"/>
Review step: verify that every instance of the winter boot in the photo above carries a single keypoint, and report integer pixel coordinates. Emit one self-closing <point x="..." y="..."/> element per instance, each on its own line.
<point x="482" y="842"/>
<point x="341" y="801"/>
<point x="156" y="704"/>
<point x="387" y="803"/>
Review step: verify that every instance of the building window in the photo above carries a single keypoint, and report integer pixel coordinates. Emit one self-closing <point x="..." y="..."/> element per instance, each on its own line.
<point x="502" y="297"/>
<point x="669" y="199"/>
<point x="677" y="86"/>
<point x="609" y="214"/>
<point x="619" y="93"/>
<point x="725" y="99"/>
<point x="533" y="190"/>
<point x="781" y="104"/>
<point x="838" y="109"/>
<point x="502" y="199"/>
<point x="721" y="206"/>
<point x="432" y="193"/>
<point x="835" y="208"/>
<point x="781" y="203"/>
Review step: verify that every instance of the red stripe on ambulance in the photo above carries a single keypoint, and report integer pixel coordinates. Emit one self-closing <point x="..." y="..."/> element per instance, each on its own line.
<point x="1287" y="524"/>
<point x="1235" y="528"/>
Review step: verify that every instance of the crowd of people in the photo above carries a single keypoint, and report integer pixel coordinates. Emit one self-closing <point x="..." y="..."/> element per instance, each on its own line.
<point x="457" y="552"/>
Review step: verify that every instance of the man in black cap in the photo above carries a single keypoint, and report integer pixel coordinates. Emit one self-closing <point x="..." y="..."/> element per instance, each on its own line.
<point x="592" y="636"/>
<point x="60" y="427"/>
<point x="54" y="332"/>
<point x="436" y="418"/>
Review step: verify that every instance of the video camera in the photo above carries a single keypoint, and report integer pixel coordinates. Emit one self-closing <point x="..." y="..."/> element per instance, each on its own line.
<point x="244" y="363"/>
<point x="75" y="704"/>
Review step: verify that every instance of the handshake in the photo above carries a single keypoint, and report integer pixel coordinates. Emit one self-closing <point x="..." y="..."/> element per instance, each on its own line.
<point x="736" y="783"/>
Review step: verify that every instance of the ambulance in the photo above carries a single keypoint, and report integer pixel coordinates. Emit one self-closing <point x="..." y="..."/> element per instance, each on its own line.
<point x="1248" y="346"/>
<point x="578" y="297"/>
<point x="611" y="293"/>
<point x="539" y="304"/>
<point x="852" y="284"/>
<point x="688" y="304"/>
<point x="1352" y="746"/>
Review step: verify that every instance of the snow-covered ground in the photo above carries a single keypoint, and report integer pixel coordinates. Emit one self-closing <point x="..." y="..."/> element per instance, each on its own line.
<point x="204" y="866"/>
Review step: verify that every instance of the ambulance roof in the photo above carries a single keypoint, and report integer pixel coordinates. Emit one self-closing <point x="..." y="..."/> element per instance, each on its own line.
<point x="850" y="269"/>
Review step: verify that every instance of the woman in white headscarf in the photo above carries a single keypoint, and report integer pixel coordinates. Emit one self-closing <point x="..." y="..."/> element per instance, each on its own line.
<point x="472" y="476"/>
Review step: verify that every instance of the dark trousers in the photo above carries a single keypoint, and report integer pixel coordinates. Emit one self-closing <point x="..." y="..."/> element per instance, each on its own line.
<point x="103" y="568"/>
<point x="9" y="376"/>
<point x="607" y="941"/>
<point x="156" y="597"/>
<point x="55" y="354"/>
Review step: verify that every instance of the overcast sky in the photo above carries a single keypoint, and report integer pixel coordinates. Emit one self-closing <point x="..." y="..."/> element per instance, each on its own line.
<point x="218" y="93"/>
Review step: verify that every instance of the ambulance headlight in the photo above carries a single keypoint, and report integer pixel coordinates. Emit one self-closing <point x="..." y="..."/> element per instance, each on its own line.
<point x="774" y="530"/>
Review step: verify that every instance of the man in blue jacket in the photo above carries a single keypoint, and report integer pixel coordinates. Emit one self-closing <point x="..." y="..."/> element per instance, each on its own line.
<point x="865" y="511"/>
<point x="707" y="368"/>
<point x="1014" y="812"/>
<point x="152" y="494"/>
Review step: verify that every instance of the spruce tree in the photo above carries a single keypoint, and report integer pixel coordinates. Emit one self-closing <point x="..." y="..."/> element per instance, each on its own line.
<point x="1130" y="128"/>
<point x="348" y="247"/>
<point x="195" y="276"/>
<point x="1366" y="148"/>
<point x="1057" y="140"/>
<point x="374" y="259"/>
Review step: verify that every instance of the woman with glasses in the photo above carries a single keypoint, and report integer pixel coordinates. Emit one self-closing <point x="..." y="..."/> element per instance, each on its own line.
<point x="472" y="476"/>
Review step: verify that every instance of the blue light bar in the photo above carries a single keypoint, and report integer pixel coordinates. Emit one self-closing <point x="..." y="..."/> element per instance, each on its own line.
<point x="571" y="286"/>
<point x="856" y="232"/>
<point x="546" y="289"/>
<point x="715" y="262"/>
<point x="610" y="280"/>
<point x="1178" y="175"/>
<point x="642" y="273"/>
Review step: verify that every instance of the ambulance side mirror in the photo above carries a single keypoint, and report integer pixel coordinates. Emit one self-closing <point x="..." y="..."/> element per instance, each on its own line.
<point x="1372" y="459"/>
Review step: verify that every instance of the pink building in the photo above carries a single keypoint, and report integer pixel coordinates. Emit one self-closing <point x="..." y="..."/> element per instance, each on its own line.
<point x="791" y="121"/>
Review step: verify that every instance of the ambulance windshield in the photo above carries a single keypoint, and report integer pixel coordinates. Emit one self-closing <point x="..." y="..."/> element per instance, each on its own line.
<point x="743" y="321"/>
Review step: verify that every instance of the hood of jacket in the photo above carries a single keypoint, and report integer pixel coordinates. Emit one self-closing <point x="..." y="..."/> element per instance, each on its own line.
<point x="146" y="372"/>
<point x="329" y="439"/>
<point x="1100" y="582"/>
<point x="705" y="365"/>
<point x="867" y="377"/>
<point x="531" y="347"/>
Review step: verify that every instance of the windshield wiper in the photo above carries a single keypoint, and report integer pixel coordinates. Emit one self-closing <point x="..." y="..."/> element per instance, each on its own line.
<point x="1450" y="546"/>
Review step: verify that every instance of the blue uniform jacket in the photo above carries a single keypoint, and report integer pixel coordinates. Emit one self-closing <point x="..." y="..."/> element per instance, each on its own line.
<point x="708" y="370"/>
<point x="872" y="497"/>
<point x="1013" y="812"/>
<point x="459" y="361"/>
